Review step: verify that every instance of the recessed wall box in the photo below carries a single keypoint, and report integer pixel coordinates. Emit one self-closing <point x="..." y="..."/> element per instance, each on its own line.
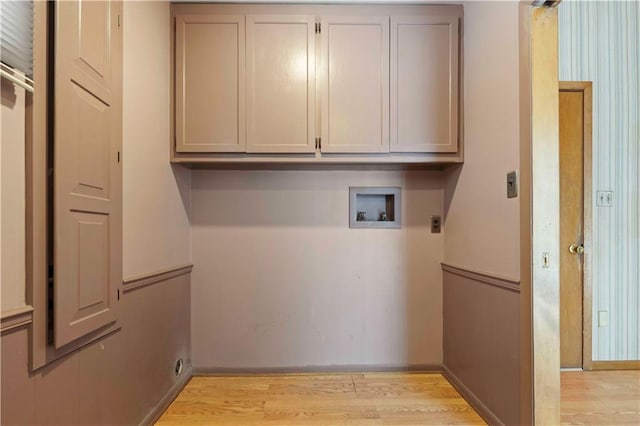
<point x="374" y="207"/>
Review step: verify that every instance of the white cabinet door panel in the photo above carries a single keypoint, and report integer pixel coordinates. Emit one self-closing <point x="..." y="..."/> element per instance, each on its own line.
<point x="210" y="83"/>
<point x="424" y="84"/>
<point x="281" y="84"/>
<point x="355" y="89"/>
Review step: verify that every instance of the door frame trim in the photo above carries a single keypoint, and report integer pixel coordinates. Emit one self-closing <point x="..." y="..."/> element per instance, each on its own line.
<point x="587" y="261"/>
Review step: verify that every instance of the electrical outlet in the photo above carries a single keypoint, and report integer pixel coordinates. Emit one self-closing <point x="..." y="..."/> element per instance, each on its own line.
<point x="604" y="198"/>
<point x="436" y="223"/>
<point x="603" y="318"/>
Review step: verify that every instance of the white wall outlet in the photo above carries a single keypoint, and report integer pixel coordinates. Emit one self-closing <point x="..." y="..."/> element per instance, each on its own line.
<point x="603" y="318"/>
<point x="604" y="198"/>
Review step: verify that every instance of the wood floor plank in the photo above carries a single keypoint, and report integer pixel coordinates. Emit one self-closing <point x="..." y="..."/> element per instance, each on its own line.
<point x="320" y="399"/>
<point x="600" y="397"/>
<point x="375" y="399"/>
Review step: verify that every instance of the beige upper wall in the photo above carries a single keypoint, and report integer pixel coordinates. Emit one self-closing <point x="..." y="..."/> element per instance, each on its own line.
<point x="12" y="191"/>
<point x="156" y="194"/>
<point x="481" y="225"/>
<point x="280" y="280"/>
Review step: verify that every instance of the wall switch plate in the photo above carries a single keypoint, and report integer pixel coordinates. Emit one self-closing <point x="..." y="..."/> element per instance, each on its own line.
<point x="604" y="198"/>
<point x="436" y="223"/>
<point x="512" y="184"/>
<point x="603" y="318"/>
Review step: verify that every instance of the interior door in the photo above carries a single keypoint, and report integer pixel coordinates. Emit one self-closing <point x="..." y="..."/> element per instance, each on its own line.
<point x="87" y="172"/>
<point x="281" y="83"/>
<point x="571" y="227"/>
<point x="355" y="84"/>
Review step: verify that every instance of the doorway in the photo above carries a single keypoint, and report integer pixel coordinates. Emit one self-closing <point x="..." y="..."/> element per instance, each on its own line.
<point x="575" y="225"/>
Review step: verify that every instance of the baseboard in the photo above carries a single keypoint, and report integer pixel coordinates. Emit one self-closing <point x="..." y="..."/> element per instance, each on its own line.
<point x="484" y="411"/>
<point x="615" y="365"/>
<point x="162" y="405"/>
<point x="223" y="371"/>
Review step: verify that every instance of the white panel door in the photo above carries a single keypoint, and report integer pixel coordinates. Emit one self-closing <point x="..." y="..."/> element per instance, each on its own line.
<point x="88" y="174"/>
<point x="281" y="84"/>
<point x="210" y="83"/>
<point x="355" y="84"/>
<point x="424" y="84"/>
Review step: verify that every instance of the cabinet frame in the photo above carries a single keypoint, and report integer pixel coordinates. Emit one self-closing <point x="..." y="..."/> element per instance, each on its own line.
<point x="321" y="159"/>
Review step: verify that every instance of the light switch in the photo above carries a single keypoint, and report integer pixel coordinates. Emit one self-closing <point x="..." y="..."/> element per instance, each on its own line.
<point x="512" y="184"/>
<point x="545" y="260"/>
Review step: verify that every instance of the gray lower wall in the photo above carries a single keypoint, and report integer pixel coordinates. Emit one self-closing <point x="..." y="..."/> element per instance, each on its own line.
<point x="117" y="380"/>
<point x="481" y="344"/>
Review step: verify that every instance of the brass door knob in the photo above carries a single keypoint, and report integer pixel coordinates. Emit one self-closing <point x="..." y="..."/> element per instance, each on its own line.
<point x="576" y="249"/>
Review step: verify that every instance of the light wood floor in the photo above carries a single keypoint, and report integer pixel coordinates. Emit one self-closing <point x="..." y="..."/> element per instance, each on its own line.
<point x="320" y="399"/>
<point x="600" y="397"/>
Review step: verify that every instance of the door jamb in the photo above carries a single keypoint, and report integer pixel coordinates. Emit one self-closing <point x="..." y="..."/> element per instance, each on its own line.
<point x="539" y="225"/>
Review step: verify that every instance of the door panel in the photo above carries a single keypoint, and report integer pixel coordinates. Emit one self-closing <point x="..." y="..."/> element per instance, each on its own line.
<point x="93" y="260"/>
<point x="94" y="21"/>
<point x="355" y="93"/>
<point x="92" y="121"/>
<point x="87" y="173"/>
<point x="424" y="84"/>
<point x="281" y="83"/>
<point x="571" y="227"/>
<point x="210" y="83"/>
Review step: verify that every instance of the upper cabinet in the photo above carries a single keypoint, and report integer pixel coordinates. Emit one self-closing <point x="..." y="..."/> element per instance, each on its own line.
<point x="355" y="84"/>
<point x="210" y="83"/>
<point x="281" y="84"/>
<point x="316" y="84"/>
<point x="424" y="84"/>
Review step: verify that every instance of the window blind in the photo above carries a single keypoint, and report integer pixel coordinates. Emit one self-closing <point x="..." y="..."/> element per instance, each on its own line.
<point x="16" y="35"/>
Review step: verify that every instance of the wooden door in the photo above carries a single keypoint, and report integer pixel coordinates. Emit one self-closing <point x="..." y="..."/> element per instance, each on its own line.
<point x="210" y="83"/>
<point x="572" y="136"/>
<point x="281" y="84"/>
<point x="87" y="169"/>
<point x="424" y="84"/>
<point x="355" y="84"/>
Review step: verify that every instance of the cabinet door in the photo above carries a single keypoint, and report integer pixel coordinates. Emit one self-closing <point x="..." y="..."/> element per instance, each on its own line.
<point x="355" y="84"/>
<point x="424" y="84"/>
<point x="210" y="84"/>
<point x="281" y="84"/>
<point x="87" y="170"/>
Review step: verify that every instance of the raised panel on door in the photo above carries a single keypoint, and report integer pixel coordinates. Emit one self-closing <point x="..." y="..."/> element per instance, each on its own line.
<point x="281" y="84"/>
<point x="210" y="83"/>
<point x="87" y="172"/>
<point x="424" y="84"/>
<point x="355" y="84"/>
